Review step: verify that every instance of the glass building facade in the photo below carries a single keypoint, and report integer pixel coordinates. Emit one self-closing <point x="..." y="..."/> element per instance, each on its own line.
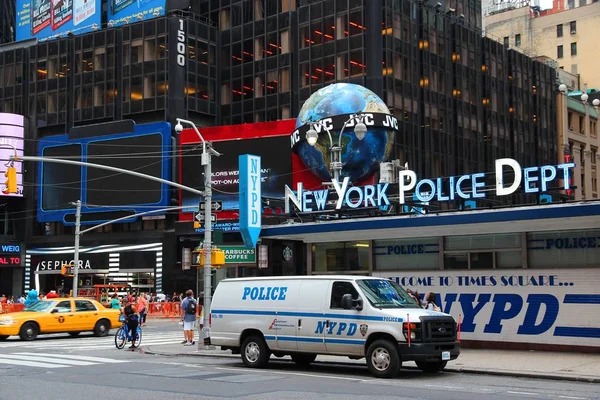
<point x="463" y="100"/>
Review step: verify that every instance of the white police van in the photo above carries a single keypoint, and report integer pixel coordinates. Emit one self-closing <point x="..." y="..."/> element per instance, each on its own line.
<point x="354" y="316"/>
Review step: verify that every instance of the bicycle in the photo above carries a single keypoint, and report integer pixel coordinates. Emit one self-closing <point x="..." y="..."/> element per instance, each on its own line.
<point x="122" y="335"/>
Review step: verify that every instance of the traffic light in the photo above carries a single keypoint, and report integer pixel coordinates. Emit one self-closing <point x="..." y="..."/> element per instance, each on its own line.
<point x="66" y="270"/>
<point x="11" y="180"/>
<point x="217" y="259"/>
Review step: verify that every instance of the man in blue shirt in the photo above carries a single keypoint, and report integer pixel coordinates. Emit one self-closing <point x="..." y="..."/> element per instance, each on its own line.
<point x="189" y="307"/>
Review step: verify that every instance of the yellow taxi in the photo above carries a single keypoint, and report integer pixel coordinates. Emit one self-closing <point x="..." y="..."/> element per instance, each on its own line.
<point x="59" y="315"/>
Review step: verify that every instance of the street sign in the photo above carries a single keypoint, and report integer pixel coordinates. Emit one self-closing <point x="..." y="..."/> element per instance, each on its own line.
<point x="238" y="254"/>
<point x="200" y="217"/>
<point x="215" y="205"/>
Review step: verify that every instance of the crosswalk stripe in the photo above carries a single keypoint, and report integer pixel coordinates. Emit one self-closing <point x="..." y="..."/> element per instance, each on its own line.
<point x="53" y="360"/>
<point x="74" y="357"/>
<point x="108" y="346"/>
<point x="3" y="360"/>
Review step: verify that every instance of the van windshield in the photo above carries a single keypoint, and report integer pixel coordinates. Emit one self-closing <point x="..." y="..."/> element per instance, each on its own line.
<point x="383" y="293"/>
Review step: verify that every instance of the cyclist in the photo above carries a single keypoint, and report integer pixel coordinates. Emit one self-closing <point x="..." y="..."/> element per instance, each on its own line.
<point x="132" y="320"/>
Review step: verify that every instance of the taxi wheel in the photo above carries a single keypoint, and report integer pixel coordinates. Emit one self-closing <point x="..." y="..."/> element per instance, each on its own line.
<point x="102" y="327"/>
<point x="29" y="331"/>
<point x="74" y="334"/>
<point x="3" y="337"/>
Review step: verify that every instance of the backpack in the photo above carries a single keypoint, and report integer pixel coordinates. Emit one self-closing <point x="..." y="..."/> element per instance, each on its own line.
<point x="190" y="308"/>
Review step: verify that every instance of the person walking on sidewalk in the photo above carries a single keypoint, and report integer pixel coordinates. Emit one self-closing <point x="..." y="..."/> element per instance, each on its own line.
<point x="188" y="317"/>
<point x="142" y="309"/>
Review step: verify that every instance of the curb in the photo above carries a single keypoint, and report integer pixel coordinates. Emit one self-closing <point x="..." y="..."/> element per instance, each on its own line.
<point x="458" y="370"/>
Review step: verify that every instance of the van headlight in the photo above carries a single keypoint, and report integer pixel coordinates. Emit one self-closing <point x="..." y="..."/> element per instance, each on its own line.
<point x="7" y="322"/>
<point x="414" y="328"/>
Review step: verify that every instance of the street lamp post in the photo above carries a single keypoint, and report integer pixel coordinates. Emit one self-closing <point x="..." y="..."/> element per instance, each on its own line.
<point x="207" y="153"/>
<point x="77" y="204"/>
<point x="360" y="130"/>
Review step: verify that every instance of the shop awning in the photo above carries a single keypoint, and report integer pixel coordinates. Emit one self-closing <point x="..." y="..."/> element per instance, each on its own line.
<point x="552" y="217"/>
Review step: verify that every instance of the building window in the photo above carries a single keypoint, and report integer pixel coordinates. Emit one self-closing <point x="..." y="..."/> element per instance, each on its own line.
<point x="406" y="254"/>
<point x="574" y="48"/>
<point x="559" y="30"/>
<point x="571" y="3"/>
<point x="559" y="51"/>
<point x="344" y="257"/>
<point x="574" y="69"/>
<point x="573" y="26"/>
<point x="518" y="40"/>
<point x="566" y="249"/>
<point x="482" y="251"/>
<point x="506" y="43"/>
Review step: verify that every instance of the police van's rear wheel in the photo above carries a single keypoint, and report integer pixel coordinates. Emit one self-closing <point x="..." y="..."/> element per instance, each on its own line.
<point x="304" y="359"/>
<point x="255" y="352"/>
<point x="383" y="359"/>
<point x="431" y="366"/>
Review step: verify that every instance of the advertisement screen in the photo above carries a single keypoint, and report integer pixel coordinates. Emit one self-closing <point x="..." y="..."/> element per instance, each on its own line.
<point x="11" y="137"/>
<point x="105" y="195"/>
<point x="132" y="155"/>
<point x="129" y="11"/>
<point x="276" y="169"/>
<point x="62" y="182"/>
<point x="47" y="19"/>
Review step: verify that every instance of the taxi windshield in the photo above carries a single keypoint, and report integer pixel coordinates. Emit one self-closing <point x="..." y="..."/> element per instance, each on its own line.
<point x="40" y="306"/>
<point x="383" y="293"/>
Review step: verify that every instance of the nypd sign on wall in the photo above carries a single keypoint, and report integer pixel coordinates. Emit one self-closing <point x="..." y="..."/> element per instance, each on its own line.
<point x="548" y="306"/>
<point x="250" y="199"/>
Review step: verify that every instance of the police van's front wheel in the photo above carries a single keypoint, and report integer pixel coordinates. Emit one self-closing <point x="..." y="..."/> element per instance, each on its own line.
<point x="383" y="359"/>
<point x="255" y="352"/>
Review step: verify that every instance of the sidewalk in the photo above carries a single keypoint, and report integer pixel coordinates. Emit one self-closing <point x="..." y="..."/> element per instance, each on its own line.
<point x="532" y="364"/>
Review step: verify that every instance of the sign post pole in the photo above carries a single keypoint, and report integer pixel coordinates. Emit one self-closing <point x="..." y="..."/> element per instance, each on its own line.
<point x="207" y="242"/>
<point x="76" y="255"/>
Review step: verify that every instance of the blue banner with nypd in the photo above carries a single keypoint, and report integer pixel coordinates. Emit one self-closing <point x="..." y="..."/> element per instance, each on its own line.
<point x="250" y="199"/>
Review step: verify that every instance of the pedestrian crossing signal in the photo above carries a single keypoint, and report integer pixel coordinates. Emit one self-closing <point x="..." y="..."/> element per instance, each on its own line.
<point x="217" y="259"/>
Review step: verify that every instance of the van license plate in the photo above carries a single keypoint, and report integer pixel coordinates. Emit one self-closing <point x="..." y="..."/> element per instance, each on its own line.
<point x="445" y="355"/>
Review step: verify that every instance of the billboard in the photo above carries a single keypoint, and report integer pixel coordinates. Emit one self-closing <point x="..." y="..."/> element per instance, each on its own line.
<point x="47" y="19"/>
<point x="276" y="171"/>
<point x="12" y="132"/>
<point x="125" y="11"/>
<point x="105" y="195"/>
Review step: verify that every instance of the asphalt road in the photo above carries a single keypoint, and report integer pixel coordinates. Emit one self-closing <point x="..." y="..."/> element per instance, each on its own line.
<point x="60" y="367"/>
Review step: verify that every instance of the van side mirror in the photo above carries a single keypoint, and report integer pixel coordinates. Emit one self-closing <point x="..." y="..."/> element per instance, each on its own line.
<point x="359" y="304"/>
<point x="347" y="301"/>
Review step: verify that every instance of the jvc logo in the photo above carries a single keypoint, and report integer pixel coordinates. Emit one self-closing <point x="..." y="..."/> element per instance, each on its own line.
<point x="336" y="328"/>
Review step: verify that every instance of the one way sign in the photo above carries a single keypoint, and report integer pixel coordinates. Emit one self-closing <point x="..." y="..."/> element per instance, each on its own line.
<point x="215" y="205"/>
<point x="200" y="217"/>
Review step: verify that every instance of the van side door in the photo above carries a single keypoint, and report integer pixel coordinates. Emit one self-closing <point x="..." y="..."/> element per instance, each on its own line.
<point x="344" y="328"/>
<point x="310" y="319"/>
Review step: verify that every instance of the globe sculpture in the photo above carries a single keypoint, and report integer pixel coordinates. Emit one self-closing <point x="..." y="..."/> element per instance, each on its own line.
<point x="360" y="158"/>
